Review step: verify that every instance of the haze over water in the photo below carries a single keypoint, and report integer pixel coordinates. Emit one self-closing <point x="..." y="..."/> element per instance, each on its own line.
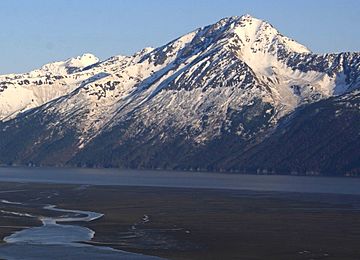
<point x="182" y="180"/>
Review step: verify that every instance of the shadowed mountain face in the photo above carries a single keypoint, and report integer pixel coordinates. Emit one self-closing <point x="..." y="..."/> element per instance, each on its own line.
<point x="233" y="96"/>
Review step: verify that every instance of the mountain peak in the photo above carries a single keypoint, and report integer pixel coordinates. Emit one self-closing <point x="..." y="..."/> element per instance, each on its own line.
<point x="260" y="35"/>
<point x="248" y="16"/>
<point x="237" y="18"/>
<point x="252" y="35"/>
<point x="70" y="65"/>
<point x="86" y="58"/>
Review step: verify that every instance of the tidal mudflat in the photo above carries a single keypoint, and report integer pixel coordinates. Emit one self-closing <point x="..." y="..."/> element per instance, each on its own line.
<point x="187" y="223"/>
<point x="58" y="237"/>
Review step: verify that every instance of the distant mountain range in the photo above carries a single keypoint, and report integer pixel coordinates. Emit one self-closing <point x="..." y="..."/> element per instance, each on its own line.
<point x="235" y="96"/>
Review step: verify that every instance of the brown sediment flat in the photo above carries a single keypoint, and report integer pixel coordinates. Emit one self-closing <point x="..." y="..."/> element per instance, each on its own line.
<point x="179" y="223"/>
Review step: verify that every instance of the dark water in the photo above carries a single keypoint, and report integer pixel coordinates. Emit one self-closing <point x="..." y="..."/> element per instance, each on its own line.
<point x="183" y="179"/>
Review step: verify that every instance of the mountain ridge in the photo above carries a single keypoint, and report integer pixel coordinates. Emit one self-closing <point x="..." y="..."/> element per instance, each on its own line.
<point x="220" y="86"/>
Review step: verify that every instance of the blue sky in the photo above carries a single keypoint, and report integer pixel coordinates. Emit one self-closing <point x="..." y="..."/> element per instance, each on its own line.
<point x="34" y="32"/>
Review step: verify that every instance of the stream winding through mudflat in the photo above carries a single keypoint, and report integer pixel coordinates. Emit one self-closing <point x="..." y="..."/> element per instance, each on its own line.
<point x="54" y="240"/>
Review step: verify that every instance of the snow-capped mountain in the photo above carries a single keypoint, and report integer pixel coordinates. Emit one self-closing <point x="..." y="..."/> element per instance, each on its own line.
<point x="182" y="105"/>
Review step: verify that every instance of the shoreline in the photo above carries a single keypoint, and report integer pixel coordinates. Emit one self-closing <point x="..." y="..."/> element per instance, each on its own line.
<point x="163" y="179"/>
<point x="54" y="167"/>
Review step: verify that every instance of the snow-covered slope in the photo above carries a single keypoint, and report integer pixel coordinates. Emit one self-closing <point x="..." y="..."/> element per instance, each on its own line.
<point x="237" y="77"/>
<point x="20" y="92"/>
